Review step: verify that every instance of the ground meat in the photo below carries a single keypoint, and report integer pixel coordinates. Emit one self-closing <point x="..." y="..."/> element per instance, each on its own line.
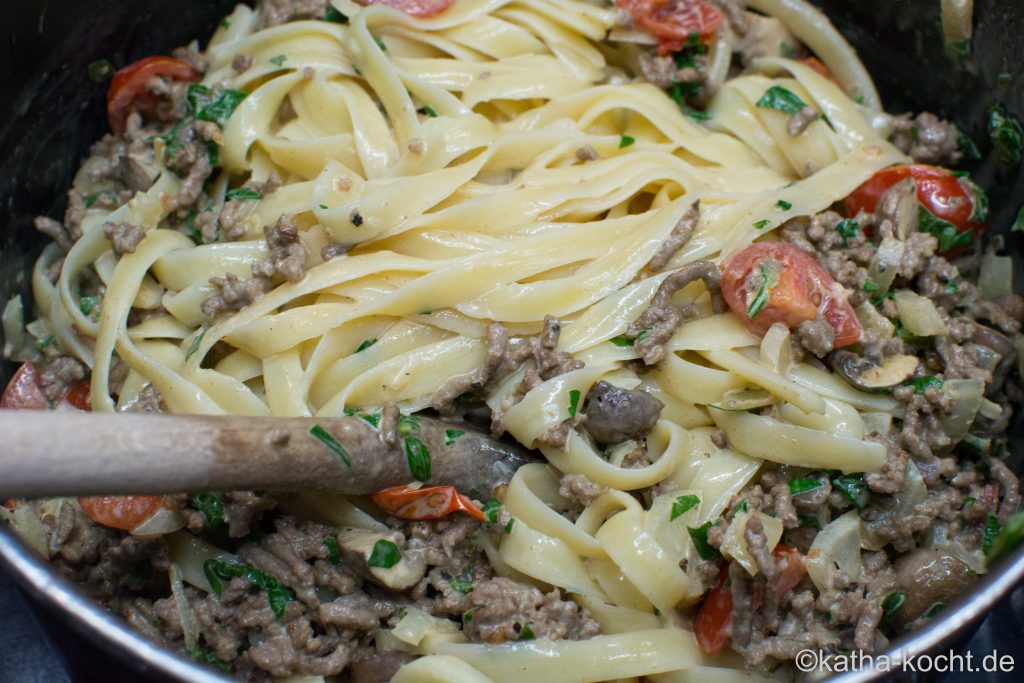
<point x="276" y="12"/>
<point x="59" y="375"/>
<point x="799" y="121"/>
<point x="124" y="237"/>
<point x="334" y="249"/>
<point x="662" y="318"/>
<point x="125" y="161"/>
<point x="661" y="71"/>
<point x="764" y="37"/>
<point x="230" y="222"/>
<point x="757" y="546"/>
<point x="1011" y="489"/>
<point x="241" y="63"/>
<point x="580" y="490"/>
<point x="242" y="509"/>
<point x="817" y="336"/>
<point x="927" y="139"/>
<point x="370" y="666"/>
<point x="445" y="399"/>
<point x="679" y="236"/>
<point x="192" y="57"/>
<point x="56" y="232"/>
<point x="287" y="255"/>
<point x="150" y="400"/>
<point x="191" y="160"/>
<point x="918" y="249"/>
<point x="614" y="415"/>
<point x="586" y="153"/>
<point x="235" y="294"/>
<point x="501" y="608"/>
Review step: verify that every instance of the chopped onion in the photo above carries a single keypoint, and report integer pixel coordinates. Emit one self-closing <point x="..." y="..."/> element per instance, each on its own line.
<point x="835" y="548"/>
<point x="885" y="263"/>
<point x="622" y="34"/>
<point x="990" y="409"/>
<point x="26" y="522"/>
<point x="734" y="542"/>
<point x="876" y="422"/>
<point x="189" y="623"/>
<point x="919" y="315"/>
<point x="995" y="278"/>
<point x="873" y="321"/>
<point x="966" y="396"/>
<point x="160" y="523"/>
<point x="776" y="351"/>
<point x="190" y="552"/>
<point x="416" y="624"/>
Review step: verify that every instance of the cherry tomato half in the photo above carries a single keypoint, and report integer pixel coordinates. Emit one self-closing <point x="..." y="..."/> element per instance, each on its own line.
<point x="433" y="502"/>
<point x="770" y="282"/>
<point x="24" y="391"/>
<point x="955" y="200"/>
<point x="120" y="512"/>
<point x="414" y="8"/>
<point x="128" y="89"/>
<point x="80" y="396"/>
<point x="711" y="627"/>
<point x="673" y="21"/>
<point x="792" y="571"/>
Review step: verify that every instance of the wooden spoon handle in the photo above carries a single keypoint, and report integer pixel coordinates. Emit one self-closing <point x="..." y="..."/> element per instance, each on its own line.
<point x="64" y="453"/>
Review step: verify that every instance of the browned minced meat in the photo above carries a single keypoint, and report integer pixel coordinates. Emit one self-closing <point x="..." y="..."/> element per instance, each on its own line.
<point x="124" y="160"/>
<point x="580" y="490"/>
<point x="502" y="608"/>
<point x="235" y="293"/>
<point x="276" y="12"/>
<point x="56" y="231"/>
<point x="927" y="139"/>
<point x="150" y="400"/>
<point x="287" y="255"/>
<point x="124" y="237"/>
<point x="677" y="239"/>
<point x="229" y="223"/>
<point x="241" y="63"/>
<point x="191" y="161"/>
<point x="58" y="376"/>
<point x="444" y="399"/>
<point x="586" y="153"/>
<point x="799" y="121"/>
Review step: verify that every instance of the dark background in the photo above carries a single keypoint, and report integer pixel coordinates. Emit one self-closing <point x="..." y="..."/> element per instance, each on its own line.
<point x="53" y="113"/>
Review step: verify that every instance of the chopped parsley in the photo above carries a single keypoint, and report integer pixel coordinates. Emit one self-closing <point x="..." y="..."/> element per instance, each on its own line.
<point x="781" y="99"/>
<point x="491" y="509"/>
<point x="809" y="520"/>
<point x="949" y="235"/>
<point x="333" y="552"/>
<point x="211" y="507"/>
<point x="464" y="582"/>
<point x="853" y="488"/>
<point x="45" y="343"/>
<point x="243" y="193"/>
<point x="278" y="594"/>
<point x="788" y="51"/>
<point x="205" y="106"/>
<point x="100" y="71"/>
<point x="278" y="60"/>
<point x="324" y="437"/>
<point x="1007" y="136"/>
<point x="205" y="656"/>
<point x="574" y="401"/>
<point x="891" y="604"/>
<point x="966" y="145"/>
<point x="697" y="114"/>
<point x="380" y="44"/>
<point x="1008" y="538"/>
<point x="769" y="278"/>
<point x="925" y="382"/>
<point x="450" y="436"/>
<point x="626" y="141"/>
<point x="194" y="346"/>
<point x="526" y="633"/>
<point x="225" y="23"/>
<point x="699" y="535"/>
<point x="990" y="533"/>
<point x="741" y="506"/>
<point x="1018" y="223"/>
<point x="93" y="197"/>
<point x="323" y="206"/>
<point x="418" y="458"/>
<point x="87" y="304"/>
<point x="334" y="16"/>
<point x="847" y="228"/>
<point x="623" y="341"/>
<point x="870" y="286"/>
<point x="798" y="486"/>
<point x="430" y="111"/>
<point x="762" y="224"/>
<point x="643" y="334"/>
<point x="681" y="505"/>
<point x="933" y="610"/>
<point x="365" y="344"/>
<point x="961" y="47"/>
<point x="384" y="555"/>
<point x="407" y="424"/>
<point x="784" y="205"/>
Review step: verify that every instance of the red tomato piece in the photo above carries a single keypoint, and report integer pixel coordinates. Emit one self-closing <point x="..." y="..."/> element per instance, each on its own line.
<point x="24" y="391"/>
<point x="120" y="512"/>
<point x="673" y="21"/>
<point x="128" y="89"/>
<point x="957" y="201"/>
<point x="711" y="627"/>
<point x="770" y="282"/>
<point x="433" y="502"/>
<point x="80" y="396"/>
<point x="818" y="66"/>
<point x="415" y="8"/>
<point x="792" y="570"/>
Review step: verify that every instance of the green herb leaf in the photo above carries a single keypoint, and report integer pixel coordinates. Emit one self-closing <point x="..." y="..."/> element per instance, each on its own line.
<point x="407" y="424"/>
<point x="788" y="51"/>
<point x="100" y="71"/>
<point x="278" y="595"/>
<point x="961" y="47"/>
<point x="949" y="235"/>
<point x="211" y="507"/>
<point x="365" y="344"/>
<point x="380" y="44"/>
<point x="848" y="228"/>
<point x="93" y="197"/>
<point x="1007" y="136"/>
<point x="334" y="16"/>
<point x="418" y="457"/>
<point x="1008" y="538"/>
<point x="769" y="278"/>
<point x="450" y="436"/>
<point x="324" y="437"/>
<point x="762" y="224"/>
<point x="622" y="341"/>
<point x="206" y="657"/>
<point x="278" y="60"/>
<point x="853" y="488"/>
<point x="980" y="209"/>
<point x="891" y="604"/>
<point x="699" y="536"/>
<point x="464" y="582"/>
<point x="990" y="533"/>
<point x="742" y="506"/>
<point x="225" y="23"/>
<point x="967" y="146"/>
<point x="87" y="304"/>
<point x="323" y="206"/>
<point x="430" y="111"/>
<point x="809" y="520"/>
<point x="696" y="114"/>
<point x="45" y="343"/>
<point x="681" y="505"/>
<point x="574" y="401"/>
<point x="933" y="610"/>
<point x="243" y="193"/>
<point x="925" y="382"/>
<point x="215" y="106"/>
<point x="333" y="552"/>
<point x="526" y="633"/>
<point x="870" y="286"/>
<point x="642" y="335"/>
<point x="777" y="97"/>
<point x="798" y="486"/>
<point x="1018" y="223"/>
<point x="626" y="141"/>
<point x="194" y="346"/>
<point x="384" y="555"/>
<point x="491" y="509"/>
<point x="784" y="205"/>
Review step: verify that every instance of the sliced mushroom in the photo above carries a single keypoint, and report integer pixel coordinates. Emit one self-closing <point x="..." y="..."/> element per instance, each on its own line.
<point x="869" y="376"/>
<point x="1001" y="344"/>
<point x="358" y="547"/>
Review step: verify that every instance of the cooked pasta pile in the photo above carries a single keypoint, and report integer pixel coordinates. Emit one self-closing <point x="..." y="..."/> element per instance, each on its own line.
<point x="493" y="164"/>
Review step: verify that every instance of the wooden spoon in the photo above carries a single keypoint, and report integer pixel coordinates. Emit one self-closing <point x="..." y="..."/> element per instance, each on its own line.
<point x="65" y="453"/>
